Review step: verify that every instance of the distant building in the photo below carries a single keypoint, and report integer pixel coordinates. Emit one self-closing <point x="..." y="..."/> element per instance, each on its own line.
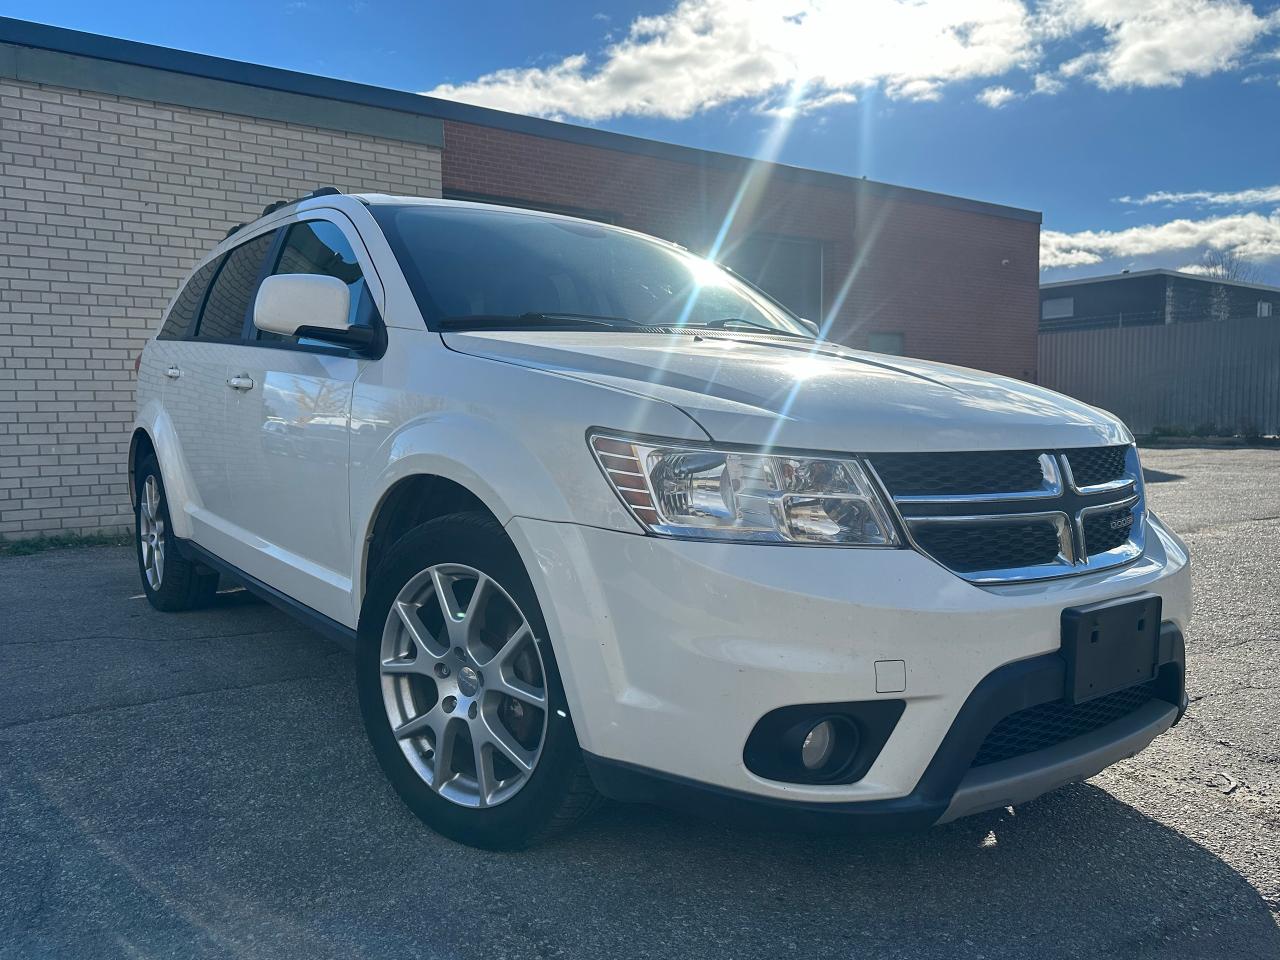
<point x="1149" y="298"/>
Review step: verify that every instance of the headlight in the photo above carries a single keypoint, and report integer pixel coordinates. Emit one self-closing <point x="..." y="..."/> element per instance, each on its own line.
<point x="713" y="494"/>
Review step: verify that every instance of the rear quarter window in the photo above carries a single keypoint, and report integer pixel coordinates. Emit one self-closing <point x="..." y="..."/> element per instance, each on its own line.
<point x="183" y="313"/>
<point x="233" y="290"/>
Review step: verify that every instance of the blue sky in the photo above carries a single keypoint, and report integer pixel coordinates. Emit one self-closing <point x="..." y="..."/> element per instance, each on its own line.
<point x="1063" y="106"/>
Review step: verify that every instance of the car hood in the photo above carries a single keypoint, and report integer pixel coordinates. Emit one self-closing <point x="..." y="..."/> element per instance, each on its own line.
<point x="770" y="391"/>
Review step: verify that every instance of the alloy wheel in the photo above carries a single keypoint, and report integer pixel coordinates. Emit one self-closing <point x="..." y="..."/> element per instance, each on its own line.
<point x="463" y="684"/>
<point x="151" y="533"/>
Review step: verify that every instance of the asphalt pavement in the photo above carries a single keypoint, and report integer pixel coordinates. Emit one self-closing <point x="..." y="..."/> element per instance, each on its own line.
<point x="198" y="785"/>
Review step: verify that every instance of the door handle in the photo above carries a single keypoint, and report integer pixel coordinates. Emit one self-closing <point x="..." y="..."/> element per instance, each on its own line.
<point x="173" y="373"/>
<point x="242" y="382"/>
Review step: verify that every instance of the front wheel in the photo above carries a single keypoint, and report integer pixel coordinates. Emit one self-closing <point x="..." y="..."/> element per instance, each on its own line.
<point x="460" y="692"/>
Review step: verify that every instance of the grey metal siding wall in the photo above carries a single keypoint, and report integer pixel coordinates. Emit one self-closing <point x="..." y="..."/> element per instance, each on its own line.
<point x="1186" y="378"/>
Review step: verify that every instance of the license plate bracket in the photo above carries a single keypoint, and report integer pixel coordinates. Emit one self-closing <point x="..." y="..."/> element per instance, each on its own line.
<point x="1110" y="645"/>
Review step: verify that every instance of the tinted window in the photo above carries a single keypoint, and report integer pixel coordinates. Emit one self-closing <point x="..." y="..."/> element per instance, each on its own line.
<point x="233" y="290"/>
<point x="464" y="262"/>
<point x="178" y="322"/>
<point x="319" y="247"/>
<point x="1058" y="308"/>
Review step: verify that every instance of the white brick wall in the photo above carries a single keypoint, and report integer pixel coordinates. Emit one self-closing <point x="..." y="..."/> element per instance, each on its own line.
<point x="105" y="204"/>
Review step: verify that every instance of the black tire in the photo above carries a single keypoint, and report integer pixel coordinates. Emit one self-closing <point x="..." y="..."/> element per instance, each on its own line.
<point x="559" y="791"/>
<point x="183" y="585"/>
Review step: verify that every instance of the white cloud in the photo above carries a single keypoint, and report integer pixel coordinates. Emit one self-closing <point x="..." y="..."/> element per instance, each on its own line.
<point x="1154" y="43"/>
<point x="1254" y="197"/>
<point x="706" y="53"/>
<point x="996" y="97"/>
<point x="806" y="104"/>
<point x="1253" y="236"/>
<point x="1048" y="84"/>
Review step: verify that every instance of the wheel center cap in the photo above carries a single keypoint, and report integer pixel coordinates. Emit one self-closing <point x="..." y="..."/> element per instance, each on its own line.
<point x="468" y="682"/>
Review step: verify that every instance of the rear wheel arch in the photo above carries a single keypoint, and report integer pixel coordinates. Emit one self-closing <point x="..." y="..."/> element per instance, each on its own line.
<point x="141" y="447"/>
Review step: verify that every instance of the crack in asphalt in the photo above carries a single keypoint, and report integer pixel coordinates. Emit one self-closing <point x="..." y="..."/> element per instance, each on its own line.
<point x="123" y="638"/>
<point x="1245" y="688"/>
<point x="114" y="708"/>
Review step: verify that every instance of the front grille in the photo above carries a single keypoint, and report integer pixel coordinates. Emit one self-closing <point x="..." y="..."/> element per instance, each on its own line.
<point x="958" y="474"/>
<point x="1091" y="466"/>
<point x="1107" y="530"/>
<point x="969" y="548"/>
<point x="1010" y="515"/>
<point x="1049" y="724"/>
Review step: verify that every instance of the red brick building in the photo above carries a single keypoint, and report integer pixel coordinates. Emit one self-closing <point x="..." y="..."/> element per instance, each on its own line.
<point x="896" y="269"/>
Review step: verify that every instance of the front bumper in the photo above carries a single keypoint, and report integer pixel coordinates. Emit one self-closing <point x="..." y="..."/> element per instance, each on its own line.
<point x="949" y="789"/>
<point x="671" y="651"/>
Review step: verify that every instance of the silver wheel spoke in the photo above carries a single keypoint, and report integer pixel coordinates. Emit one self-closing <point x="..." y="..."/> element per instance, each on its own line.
<point x="485" y="780"/>
<point x="401" y="667"/>
<point x="461" y="624"/>
<point x="408" y="614"/>
<point x="453" y="617"/>
<point x="471" y="619"/>
<point x="418" y="725"/>
<point x="446" y="746"/>
<point x="504" y="743"/>
<point x="504" y="679"/>
<point x="517" y="689"/>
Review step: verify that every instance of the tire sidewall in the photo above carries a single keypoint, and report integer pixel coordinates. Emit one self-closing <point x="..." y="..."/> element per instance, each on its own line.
<point x="480" y="543"/>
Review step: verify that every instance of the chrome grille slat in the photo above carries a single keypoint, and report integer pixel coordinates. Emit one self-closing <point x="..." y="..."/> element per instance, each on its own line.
<point x="1011" y="531"/>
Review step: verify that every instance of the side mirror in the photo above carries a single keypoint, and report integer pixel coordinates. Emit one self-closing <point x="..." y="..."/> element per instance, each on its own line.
<point x="309" y="305"/>
<point x="810" y="326"/>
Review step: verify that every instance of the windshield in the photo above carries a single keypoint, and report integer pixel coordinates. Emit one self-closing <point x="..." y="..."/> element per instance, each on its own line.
<point x="489" y="267"/>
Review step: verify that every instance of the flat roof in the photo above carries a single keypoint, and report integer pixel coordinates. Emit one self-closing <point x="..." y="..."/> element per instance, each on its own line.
<point x="379" y="106"/>
<point x="1157" y="272"/>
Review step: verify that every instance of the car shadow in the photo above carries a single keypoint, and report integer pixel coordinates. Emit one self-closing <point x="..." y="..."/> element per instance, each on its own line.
<point x="1160" y="476"/>
<point x="1075" y="873"/>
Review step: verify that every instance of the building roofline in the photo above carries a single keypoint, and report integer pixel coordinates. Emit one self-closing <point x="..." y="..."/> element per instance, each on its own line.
<point x="1156" y="272"/>
<point x="39" y="36"/>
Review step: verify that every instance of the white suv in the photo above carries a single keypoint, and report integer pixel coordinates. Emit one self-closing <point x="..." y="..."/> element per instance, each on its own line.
<point x="600" y="518"/>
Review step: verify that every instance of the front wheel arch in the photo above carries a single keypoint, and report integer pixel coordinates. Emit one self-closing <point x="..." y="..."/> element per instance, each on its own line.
<point x="406" y="505"/>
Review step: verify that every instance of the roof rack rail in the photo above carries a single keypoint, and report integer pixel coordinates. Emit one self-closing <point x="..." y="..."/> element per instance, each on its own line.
<point x="277" y="204"/>
<point x="318" y="192"/>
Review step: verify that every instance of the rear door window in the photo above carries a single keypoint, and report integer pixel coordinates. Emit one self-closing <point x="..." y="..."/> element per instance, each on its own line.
<point x="319" y="247"/>
<point x="233" y="290"/>
<point x="178" y="323"/>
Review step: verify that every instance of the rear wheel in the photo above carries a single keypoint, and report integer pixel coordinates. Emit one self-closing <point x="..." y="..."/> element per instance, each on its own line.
<point x="460" y="692"/>
<point x="170" y="582"/>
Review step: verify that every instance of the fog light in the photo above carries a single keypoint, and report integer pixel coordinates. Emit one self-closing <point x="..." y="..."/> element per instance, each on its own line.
<point x="819" y="743"/>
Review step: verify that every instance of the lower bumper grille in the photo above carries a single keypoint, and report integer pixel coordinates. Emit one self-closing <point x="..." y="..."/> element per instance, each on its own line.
<point x="1049" y="724"/>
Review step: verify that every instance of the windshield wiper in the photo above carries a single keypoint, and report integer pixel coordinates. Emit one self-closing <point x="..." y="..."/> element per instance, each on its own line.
<point x="727" y="322"/>
<point x="510" y="321"/>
